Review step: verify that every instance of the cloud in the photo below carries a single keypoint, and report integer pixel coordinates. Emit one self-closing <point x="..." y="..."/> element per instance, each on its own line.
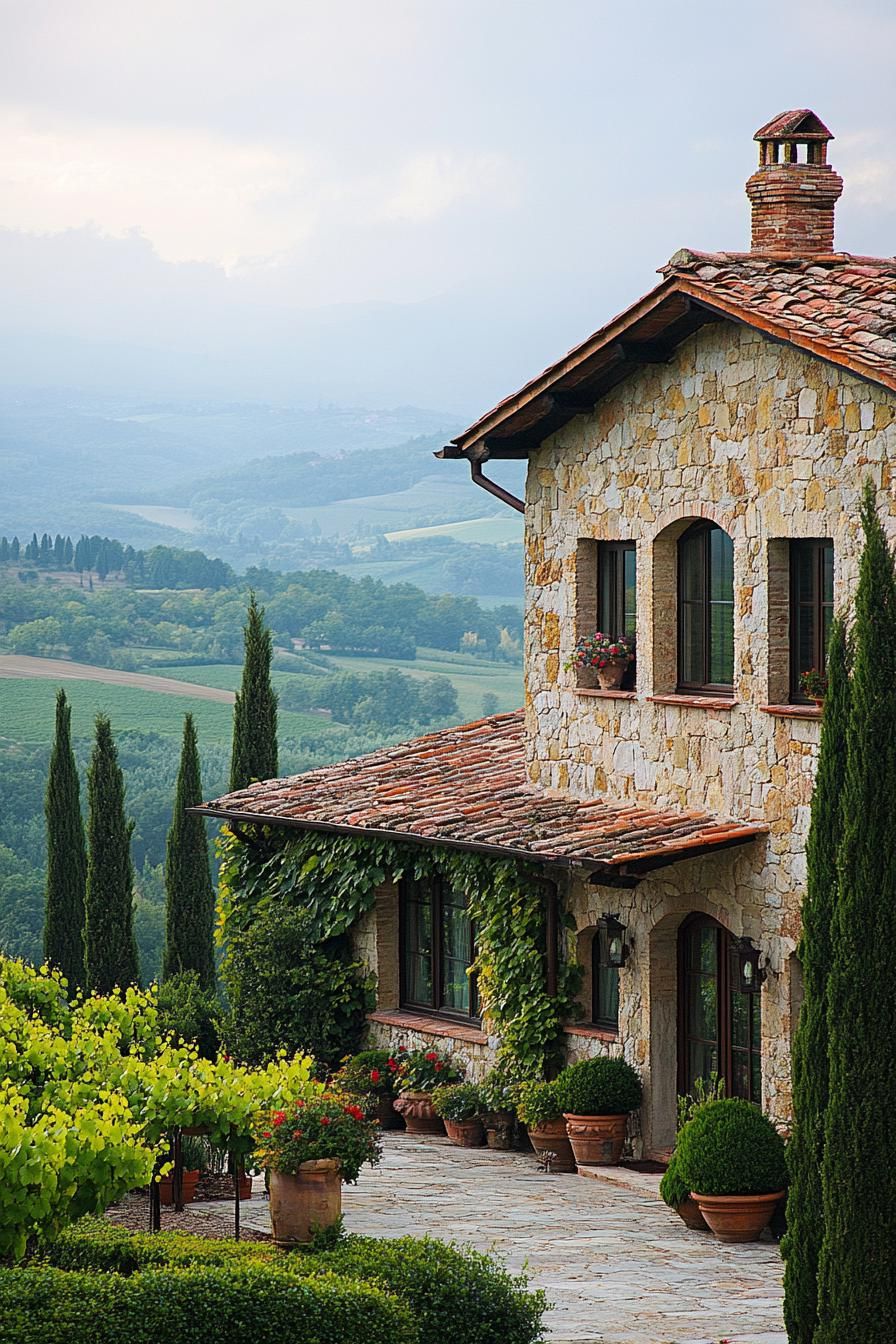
<point x="430" y="184"/>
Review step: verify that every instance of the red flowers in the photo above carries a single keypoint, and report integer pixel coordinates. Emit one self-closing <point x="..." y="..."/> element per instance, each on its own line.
<point x="375" y="1075"/>
<point x="299" y="1103"/>
<point x="431" y="1056"/>
<point x="438" y="1066"/>
<point x="278" y="1117"/>
<point x="354" y="1111"/>
<point x="266" y="1134"/>
<point x="325" y="1119"/>
<point x="391" y="1065"/>
<point x="297" y="1133"/>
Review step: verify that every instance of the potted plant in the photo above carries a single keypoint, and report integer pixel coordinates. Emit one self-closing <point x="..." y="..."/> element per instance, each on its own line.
<point x="814" y="684"/>
<point x="605" y="657"/>
<point x="673" y="1188"/>
<point x="460" y="1106"/>
<point x="538" y="1106"/>
<point x="419" y="1073"/>
<point x="192" y="1153"/>
<point x="732" y="1160"/>
<point x="498" y="1090"/>
<point x="309" y="1148"/>
<point x="596" y="1096"/>
<point x="371" y="1076"/>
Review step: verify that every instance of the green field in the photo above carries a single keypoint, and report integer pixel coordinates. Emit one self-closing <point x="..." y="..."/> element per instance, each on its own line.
<point x="472" y="677"/>
<point x="27" y="711"/>
<point x="506" y="527"/>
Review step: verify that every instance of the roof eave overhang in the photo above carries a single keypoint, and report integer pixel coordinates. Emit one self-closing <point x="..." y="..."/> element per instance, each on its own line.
<point x="648" y="332"/>
<point x="626" y="869"/>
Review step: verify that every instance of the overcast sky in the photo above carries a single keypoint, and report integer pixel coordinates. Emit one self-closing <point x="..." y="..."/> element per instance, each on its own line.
<point x="384" y="201"/>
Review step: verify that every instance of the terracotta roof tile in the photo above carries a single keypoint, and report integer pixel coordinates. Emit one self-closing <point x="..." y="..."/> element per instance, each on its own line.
<point x="468" y="786"/>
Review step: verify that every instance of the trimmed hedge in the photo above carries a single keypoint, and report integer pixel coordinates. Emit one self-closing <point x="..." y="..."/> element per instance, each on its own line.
<point x="229" y="1305"/>
<point x="438" y="1282"/>
<point x="674" y="1190"/>
<point x="602" y="1085"/>
<point x="730" y="1148"/>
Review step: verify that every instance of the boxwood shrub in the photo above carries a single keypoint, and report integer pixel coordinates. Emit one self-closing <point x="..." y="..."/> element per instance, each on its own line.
<point x="673" y="1188"/>
<point x="436" y="1281"/>
<point x="229" y="1305"/>
<point x="730" y="1148"/>
<point x="603" y="1085"/>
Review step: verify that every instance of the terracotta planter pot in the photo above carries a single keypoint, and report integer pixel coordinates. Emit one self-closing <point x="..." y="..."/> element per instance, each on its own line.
<point x="737" y="1217"/>
<point x="416" y="1110"/>
<point x="466" y="1133"/>
<point x="689" y="1213"/>
<point x="596" y="1139"/>
<point x="499" y="1130"/>
<point x="305" y="1203"/>
<point x="609" y="678"/>
<point x="551" y="1137"/>
<point x="386" y="1115"/>
<point x="586" y="679"/>
<point x="188" y="1188"/>
<point x="245" y="1187"/>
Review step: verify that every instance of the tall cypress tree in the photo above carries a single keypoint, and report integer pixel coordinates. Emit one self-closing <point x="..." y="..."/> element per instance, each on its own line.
<point x="110" y="949"/>
<point x="857" y="1264"/>
<point x="255" y="712"/>
<point x="66" y="855"/>
<point x="802" y="1243"/>
<point x="190" y="898"/>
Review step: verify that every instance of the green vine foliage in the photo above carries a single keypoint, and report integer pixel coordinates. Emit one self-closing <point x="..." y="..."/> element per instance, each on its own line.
<point x="334" y="878"/>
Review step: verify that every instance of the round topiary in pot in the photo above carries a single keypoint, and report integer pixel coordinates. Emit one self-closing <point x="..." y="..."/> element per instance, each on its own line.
<point x="732" y="1159"/>
<point x="596" y="1095"/>
<point x="675" y="1191"/>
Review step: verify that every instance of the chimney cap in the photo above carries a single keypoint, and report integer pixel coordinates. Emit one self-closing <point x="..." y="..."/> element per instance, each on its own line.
<point x="801" y="124"/>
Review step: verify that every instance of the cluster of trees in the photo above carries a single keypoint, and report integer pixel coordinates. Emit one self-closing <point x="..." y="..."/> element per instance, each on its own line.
<point x="318" y="608"/>
<point x="375" y="700"/>
<point x="159" y="567"/>
<point x="840" y="1249"/>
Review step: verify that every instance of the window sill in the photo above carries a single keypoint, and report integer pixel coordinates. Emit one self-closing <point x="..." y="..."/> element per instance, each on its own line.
<point x="588" y="1029"/>
<point x="792" y="711"/>
<point x="427" y="1025"/>
<point x="605" y="695"/>
<point x="694" y="701"/>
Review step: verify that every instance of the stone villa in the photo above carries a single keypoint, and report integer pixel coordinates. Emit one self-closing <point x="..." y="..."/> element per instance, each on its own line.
<point x="694" y="470"/>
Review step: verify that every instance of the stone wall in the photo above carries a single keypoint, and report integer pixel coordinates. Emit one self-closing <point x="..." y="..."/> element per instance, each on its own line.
<point x="771" y="445"/>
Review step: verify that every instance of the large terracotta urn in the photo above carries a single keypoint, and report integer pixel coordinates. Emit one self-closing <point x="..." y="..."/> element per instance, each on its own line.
<point x="736" y="1218"/>
<point x="416" y="1110"/>
<point x="305" y="1203"/>
<point x="551" y="1137"/>
<point x="596" y="1140"/>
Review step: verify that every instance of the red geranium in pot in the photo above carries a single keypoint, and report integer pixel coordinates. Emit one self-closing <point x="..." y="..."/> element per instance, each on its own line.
<point x="310" y="1147"/>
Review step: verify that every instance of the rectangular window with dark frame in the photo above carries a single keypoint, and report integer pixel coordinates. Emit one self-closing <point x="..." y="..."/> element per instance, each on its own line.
<point x="436" y="949"/>
<point x="604" y="983"/>
<point x="811" y="608"/>
<point x="616" y="594"/>
<point x="705" y="610"/>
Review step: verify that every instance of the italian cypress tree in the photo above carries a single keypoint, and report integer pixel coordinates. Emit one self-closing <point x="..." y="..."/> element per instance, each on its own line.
<point x="190" y="898"/>
<point x="802" y="1243"/>
<point x="254" y="753"/>
<point x="66" y="855"/>
<point x="110" y="949"/>
<point x="857" y="1263"/>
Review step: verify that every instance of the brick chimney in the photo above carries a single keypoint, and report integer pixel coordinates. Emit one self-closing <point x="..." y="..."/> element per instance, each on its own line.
<point x="795" y="189"/>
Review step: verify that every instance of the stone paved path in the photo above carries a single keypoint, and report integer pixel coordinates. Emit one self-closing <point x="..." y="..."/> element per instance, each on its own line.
<point x="619" y="1267"/>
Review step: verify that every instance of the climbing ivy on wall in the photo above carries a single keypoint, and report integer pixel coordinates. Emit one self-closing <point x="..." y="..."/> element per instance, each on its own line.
<point x="335" y="877"/>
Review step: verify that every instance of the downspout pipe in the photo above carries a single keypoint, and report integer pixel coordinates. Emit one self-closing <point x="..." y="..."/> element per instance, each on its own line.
<point x="493" y="488"/>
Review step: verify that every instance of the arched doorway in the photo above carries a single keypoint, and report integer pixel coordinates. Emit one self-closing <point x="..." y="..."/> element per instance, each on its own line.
<point x="719" y="1027"/>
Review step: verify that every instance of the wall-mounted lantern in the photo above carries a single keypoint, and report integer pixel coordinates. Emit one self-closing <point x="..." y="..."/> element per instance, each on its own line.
<point x="747" y="973"/>
<point x="617" y="950"/>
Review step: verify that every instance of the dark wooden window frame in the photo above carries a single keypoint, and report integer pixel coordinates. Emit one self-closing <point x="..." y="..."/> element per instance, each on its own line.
<point x="437" y="890"/>
<point x="600" y="966"/>
<point x="703" y="687"/>
<point x="611" y="555"/>
<point x="725" y="978"/>
<point x="817" y="604"/>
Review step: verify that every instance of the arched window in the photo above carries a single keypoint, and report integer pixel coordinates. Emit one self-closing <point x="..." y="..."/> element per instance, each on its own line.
<point x="705" y="609"/>
<point x="604" y="982"/>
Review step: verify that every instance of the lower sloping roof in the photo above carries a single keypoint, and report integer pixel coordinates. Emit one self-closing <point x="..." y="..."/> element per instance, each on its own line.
<point x="467" y="787"/>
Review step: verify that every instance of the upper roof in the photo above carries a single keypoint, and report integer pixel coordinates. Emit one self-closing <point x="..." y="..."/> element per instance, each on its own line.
<point x="467" y="788"/>
<point x="802" y="124"/>
<point x="839" y="308"/>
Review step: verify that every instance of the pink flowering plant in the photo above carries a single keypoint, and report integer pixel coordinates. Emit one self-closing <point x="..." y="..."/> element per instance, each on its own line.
<point x="423" y="1070"/>
<point x="306" y="1130"/>
<point x="600" y="650"/>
